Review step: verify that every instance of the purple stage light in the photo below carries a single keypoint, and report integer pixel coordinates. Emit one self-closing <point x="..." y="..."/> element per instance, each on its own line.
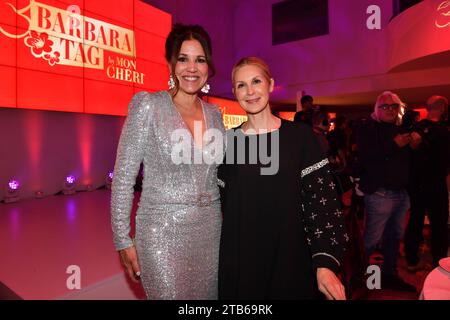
<point x="70" y="179"/>
<point x="13" y="185"/>
<point x="111" y="175"/>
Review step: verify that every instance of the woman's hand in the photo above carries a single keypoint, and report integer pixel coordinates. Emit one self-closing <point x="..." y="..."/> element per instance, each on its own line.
<point x="129" y="260"/>
<point x="330" y="285"/>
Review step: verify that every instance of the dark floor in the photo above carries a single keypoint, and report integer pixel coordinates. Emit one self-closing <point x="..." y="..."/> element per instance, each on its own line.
<point x="416" y="279"/>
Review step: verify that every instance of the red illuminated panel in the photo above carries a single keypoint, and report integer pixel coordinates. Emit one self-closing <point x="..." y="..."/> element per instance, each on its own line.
<point x="422" y="112"/>
<point x="113" y="48"/>
<point x="78" y="3"/>
<point x="287" y="115"/>
<point x="117" y="11"/>
<point x="136" y="90"/>
<point x="232" y="113"/>
<point x="150" y="46"/>
<point x="103" y="36"/>
<point x="151" y="19"/>
<point x="8" y="87"/>
<point x="100" y="17"/>
<point x="116" y="68"/>
<point x="8" y="48"/>
<point x="43" y="91"/>
<point x="42" y="9"/>
<point x="231" y="107"/>
<point x="23" y="4"/>
<point x="26" y="58"/>
<point x="156" y="75"/>
<point x="21" y="21"/>
<point x="107" y="98"/>
<point x="7" y="15"/>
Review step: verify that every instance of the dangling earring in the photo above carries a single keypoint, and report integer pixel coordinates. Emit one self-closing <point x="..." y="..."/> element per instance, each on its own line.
<point x="205" y="88"/>
<point x="171" y="83"/>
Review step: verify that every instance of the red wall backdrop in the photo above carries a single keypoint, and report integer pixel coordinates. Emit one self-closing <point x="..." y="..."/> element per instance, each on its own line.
<point x="86" y="56"/>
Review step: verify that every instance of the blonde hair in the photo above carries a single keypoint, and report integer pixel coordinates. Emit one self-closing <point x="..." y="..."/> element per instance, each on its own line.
<point x="396" y="99"/>
<point x="254" y="61"/>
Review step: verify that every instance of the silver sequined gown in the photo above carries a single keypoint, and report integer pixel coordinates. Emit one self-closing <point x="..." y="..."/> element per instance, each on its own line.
<point x="178" y="221"/>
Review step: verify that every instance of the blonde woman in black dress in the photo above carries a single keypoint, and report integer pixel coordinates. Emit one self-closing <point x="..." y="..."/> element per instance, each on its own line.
<point x="282" y="231"/>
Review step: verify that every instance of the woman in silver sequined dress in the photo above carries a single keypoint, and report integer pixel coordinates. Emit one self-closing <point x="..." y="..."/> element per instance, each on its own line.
<point x="178" y="223"/>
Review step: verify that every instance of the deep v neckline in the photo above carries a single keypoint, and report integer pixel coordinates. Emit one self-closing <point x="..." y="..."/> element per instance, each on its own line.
<point x="180" y="118"/>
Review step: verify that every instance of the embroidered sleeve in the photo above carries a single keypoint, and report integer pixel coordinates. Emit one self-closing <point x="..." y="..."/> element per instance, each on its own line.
<point x="321" y="210"/>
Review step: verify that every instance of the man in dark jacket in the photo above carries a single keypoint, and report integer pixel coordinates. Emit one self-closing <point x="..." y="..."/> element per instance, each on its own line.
<point x="428" y="189"/>
<point x="306" y="114"/>
<point x="384" y="148"/>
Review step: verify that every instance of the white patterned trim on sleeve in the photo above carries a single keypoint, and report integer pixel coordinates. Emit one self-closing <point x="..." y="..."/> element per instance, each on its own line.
<point x="220" y="183"/>
<point x="314" y="167"/>
<point x="328" y="255"/>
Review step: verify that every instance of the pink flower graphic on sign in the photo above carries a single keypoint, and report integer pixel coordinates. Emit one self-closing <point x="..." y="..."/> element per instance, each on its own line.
<point x="39" y="43"/>
<point x="53" y="58"/>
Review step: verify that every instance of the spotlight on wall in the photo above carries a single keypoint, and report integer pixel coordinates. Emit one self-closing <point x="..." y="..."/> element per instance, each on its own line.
<point x="109" y="179"/>
<point x="39" y="194"/>
<point x="69" y="185"/>
<point x="12" y="193"/>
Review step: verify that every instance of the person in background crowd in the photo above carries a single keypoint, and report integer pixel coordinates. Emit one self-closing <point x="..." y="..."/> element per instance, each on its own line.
<point x="307" y="102"/>
<point x="384" y="148"/>
<point x="410" y="118"/>
<point x="305" y="115"/>
<point x="337" y="139"/>
<point x="429" y="192"/>
<point x="321" y="125"/>
<point x="357" y="206"/>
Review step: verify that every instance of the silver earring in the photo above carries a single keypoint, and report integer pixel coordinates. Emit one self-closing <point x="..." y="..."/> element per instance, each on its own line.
<point x="205" y="88"/>
<point x="171" y="83"/>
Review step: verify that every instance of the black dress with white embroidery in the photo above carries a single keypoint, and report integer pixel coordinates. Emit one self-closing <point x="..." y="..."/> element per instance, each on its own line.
<point x="277" y="229"/>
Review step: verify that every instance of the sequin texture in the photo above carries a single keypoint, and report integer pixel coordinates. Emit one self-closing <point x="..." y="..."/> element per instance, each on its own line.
<point x="178" y="221"/>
